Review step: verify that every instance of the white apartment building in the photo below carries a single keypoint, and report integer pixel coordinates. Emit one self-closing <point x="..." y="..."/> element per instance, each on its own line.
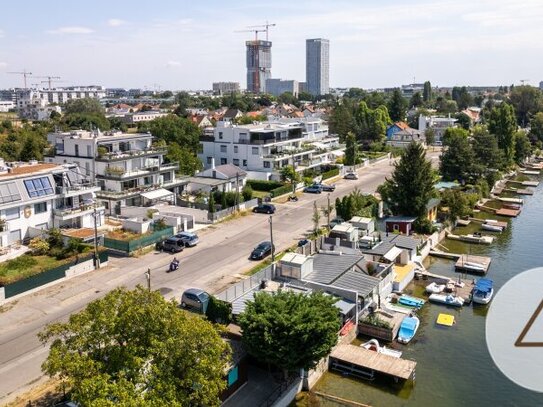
<point x="439" y="124"/>
<point x="262" y="149"/>
<point x="6" y="105"/>
<point x="129" y="168"/>
<point x="36" y="196"/>
<point x="26" y="97"/>
<point x="134" y="118"/>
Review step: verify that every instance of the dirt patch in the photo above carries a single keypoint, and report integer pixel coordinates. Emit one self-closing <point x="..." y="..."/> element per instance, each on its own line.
<point x="44" y="394"/>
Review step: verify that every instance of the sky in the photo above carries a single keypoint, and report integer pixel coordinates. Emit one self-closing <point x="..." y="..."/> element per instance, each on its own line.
<point x="169" y="44"/>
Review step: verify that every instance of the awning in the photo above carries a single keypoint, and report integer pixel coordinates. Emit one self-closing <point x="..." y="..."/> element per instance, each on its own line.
<point x="157" y="194"/>
<point x="393" y="253"/>
<point x="345" y="307"/>
<point x="338" y="153"/>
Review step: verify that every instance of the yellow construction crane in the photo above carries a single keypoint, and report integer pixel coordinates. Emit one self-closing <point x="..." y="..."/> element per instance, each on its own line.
<point x="265" y="26"/>
<point x="24" y="72"/>
<point x="49" y="79"/>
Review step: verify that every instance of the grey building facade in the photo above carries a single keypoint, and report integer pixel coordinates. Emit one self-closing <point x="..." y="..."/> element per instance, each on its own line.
<point x="317" y="66"/>
<point x="258" y="65"/>
<point x="277" y="87"/>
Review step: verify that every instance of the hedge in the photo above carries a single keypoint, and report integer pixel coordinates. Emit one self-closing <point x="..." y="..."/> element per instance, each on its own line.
<point x="285" y="189"/>
<point x="261" y="185"/>
<point x="329" y="174"/>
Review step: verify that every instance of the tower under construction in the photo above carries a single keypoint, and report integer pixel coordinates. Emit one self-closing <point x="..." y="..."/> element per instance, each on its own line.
<point x="258" y="65"/>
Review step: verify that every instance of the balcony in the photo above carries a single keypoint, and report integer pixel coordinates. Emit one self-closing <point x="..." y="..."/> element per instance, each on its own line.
<point x="70" y="213"/>
<point x="126" y="155"/>
<point x="77" y="189"/>
<point x="121" y="173"/>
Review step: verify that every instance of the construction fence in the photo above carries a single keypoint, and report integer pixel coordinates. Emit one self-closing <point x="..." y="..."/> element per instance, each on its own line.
<point x="129" y="246"/>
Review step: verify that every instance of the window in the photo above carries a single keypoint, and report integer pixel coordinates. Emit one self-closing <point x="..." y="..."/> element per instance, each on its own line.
<point x="39" y="187"/>
<point x="89" y="152"/>
<point x="266" y="164"/>
<point x="223" y="161"/>
<point x="245" y="163"/>
<point x="76" y="150"/>
<point x="235" y="149"/>
<point x="9" y="193"/>
<point x="223" y="149"/>
<point x="396" y="227"/>
<point x="220" y="135"/>
<point x="40" y="207"/>
<point x="200" y="148"/>
<point x="236" y="161"/>
<point x="209" y="160"/>
<point x="87" y="169"/>
<point x="12" y="213"/>
<point x="254" y="150"/>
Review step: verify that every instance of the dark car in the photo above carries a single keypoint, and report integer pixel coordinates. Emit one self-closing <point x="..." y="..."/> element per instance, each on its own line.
<point x="190" y="239"/>
<point x="262" y="250"/>
<point x="303" y="242"/>
<point x="173" y="244"/>
<point x="313" y="189"/>
<point x="336" y="221"/>
<point x="195" y="299"/>
<point x="351" y="175"/>
<point x="326" y="188"/>
<point x="264" y="208"/>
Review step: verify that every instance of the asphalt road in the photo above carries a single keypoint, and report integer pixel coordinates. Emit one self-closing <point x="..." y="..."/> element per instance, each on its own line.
<point x="219" y="259"/>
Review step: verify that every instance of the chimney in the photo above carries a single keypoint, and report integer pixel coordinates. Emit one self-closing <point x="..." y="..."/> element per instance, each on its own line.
<point x="213" y="163"/>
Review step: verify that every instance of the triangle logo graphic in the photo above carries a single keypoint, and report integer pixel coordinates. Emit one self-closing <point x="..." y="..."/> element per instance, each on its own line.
<point x="520" y="343"/>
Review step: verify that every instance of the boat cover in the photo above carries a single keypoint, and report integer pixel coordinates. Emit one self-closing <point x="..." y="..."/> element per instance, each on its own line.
<point x="484" y="285"/>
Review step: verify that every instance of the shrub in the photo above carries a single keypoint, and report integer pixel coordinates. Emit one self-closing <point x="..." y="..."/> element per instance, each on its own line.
<point x="374" y="320"/>
<point x="55" y="238"/>
<point x="423" y="225"/>
<point x="330" y="173"/>
<point x="247" y="193"/>
<point x="219" y="311"/>
<point x="39" y="246"/>
<point x="285" y="189"/>
<point x="22" y="262"/>
<point x="160" y="224"/>
<point x="265" y="186"/>
<point x="308" y="181"/>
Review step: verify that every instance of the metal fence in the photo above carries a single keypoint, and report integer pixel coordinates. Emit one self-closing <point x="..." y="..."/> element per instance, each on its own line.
<point x="241" y="287"/>
<point x="128" y="246"/>
<point x="215" y="216"/>
<point x="46" y="277"/>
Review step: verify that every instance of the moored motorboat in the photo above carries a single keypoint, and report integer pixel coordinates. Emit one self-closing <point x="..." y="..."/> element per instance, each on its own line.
<point x="491" y="227"/>
<point x="434" y="288"/>
<point x="373" y="344"/>
<point x="408" y="329"/>
<point x="473" y="266"/>
<point x="483" y="291"/>
<point x="448" y="299"/>
<point x="411" y="301"/>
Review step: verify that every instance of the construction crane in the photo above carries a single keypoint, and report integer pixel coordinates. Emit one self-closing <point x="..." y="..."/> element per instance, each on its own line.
<point x="523" y="81"/>
<point x="24" y="72"/>
<point x="265" y="26"/>
<point x="49" y="79"/>
<point x="251" y="31"/>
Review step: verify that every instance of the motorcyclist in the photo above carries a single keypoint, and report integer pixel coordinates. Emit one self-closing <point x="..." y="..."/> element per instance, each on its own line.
<point x="174" y="265"/>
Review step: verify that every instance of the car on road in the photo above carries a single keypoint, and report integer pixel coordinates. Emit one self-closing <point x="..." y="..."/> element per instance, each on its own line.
<point x="195" y="299"/>
<point x="189" y="238"/>
<point x="173" y="244"/>
<point x="327" y="188"/>
<point x="264" y="208"/>
<point x="351" y="175"/>
<point x="262" y="250"/>
<point x="313" y="189"/>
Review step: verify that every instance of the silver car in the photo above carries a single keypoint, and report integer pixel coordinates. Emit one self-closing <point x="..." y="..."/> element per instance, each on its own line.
<point x="195" y="299"/>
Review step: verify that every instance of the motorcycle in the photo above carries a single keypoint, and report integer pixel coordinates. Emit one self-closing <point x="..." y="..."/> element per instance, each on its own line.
<point x="174" y="265"/>
<point x="293" y="198"/>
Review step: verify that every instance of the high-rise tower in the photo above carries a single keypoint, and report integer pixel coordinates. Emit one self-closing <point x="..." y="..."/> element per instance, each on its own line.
<point x="258" y="65"/>
<point x="317" y="66"/>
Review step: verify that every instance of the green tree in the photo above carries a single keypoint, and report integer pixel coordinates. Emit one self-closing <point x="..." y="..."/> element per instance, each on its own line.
<point x="453" y="132"/>
<point x="397" y="106"/>
<point x="416" y="100"/>
<point x="427" y="92"/>
<point x="84" y="106"/>
<point x="114" y="350"/>
<point x="341" y="119"/>
<point x="457" y="202"/>
<point x="351" y="150"/>
<point x="536" y="126"/>
<point x="289" y="174"/>
<point x="290" y="330"/>
<point x="527" y="101"/>
<point x="430" y="135"/>
<point x="486" y="150"/>
<point x="457" y="159"/>
<point x="463" y="120"/>
<point x="462" y="97"/>
<point x="188" y="161"/>
<point x="503" y="125"/>
<point x="411" y="185"/>
<point x="316" y="218"/>
<point x="85" y="121"/>
<point x="211" y="203"/>
<point x="174" y="129"/>
<point x="523" y="147"/>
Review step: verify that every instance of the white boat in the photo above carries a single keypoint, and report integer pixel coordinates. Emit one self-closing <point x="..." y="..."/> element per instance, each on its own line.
<point x="475" y="267"/>
<point x="408" y="328"/>
<point x="373" y="344"/>
<point x="447" y="299"/>
<point x="491" y="228"/>
<point x="434" y="288"/>
<point x="483" y="291"/>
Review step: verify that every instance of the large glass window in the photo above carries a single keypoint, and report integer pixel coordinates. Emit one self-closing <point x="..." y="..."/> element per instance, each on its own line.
<point x="12" y="213"/>
<point x="9" y="193"/>
<point x="39" y="187"/>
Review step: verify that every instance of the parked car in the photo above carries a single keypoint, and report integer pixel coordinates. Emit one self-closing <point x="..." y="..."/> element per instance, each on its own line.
<point x="327" y="188"/>
<point x="302" y="242"/>
<point x="190" y="239"/>
<point x="336" y="221"/>
<point x="351" y="175"/>
<point x="264" y="208"/>
<point x="262" y="250"/>
<point x="173" y="244"/>
<point x="313" y="189"/>
<point x="195" y="299"/>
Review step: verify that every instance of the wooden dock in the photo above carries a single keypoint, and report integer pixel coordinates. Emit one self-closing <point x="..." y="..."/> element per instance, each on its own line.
<point x="464" y="258"/>
<point x="520" y="191"/>
<point x="483" y="239"/>
<point x="525" y="183"/>
<point x="501" y="224"/>
<point x="360" y="362"/>
<point x="511" y="213"/>
<point x="463" y="290"/>
<point x="529" y="172"/>
<point x="445" y="255"/>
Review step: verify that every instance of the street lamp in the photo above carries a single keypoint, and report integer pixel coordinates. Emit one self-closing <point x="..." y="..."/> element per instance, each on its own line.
<point x="270" y="220"/>
<point x="96" y="257"/>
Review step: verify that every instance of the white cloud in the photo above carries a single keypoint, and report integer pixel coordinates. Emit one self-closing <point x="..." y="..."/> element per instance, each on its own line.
<point x="71" y="30"/>
<point x="173" y="63"/>
<point x="3" y="65"/>
<point x="115" y="22"/>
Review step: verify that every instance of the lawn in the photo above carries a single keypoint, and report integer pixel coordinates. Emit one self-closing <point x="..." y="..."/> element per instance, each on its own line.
<point x="121" y="234"/>
<point x="26" y="266"/>
<point x="260" y="194"/>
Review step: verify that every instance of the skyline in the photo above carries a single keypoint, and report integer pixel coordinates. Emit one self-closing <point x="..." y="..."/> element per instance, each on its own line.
<point x="180" y="45"/>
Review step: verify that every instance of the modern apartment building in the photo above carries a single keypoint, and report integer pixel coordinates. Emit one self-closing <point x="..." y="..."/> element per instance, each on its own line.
<point x="262" y="149"/>
<point x="36" y="196"/>
<point x="129" y="168"/>
<point x="317" y="66"/>
<point x="258" y="65"/>
<point x="224" y="88"/>
<point x="276" y="87"/>
<point x="27" y="97"/>
<point x="439" y="124"/>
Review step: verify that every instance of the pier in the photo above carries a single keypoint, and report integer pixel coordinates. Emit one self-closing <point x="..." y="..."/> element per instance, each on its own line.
<point x="525" y="183"/>
<point x="460" y="263"/>
<point x="511" y="200"/>
<point x="511" y="213"/>
<point x="501" y="224"/>
<point x="471" y="238"/>
<point x="463" y="290"/>
<point x="519" y="191"/>
<point x="363" y="363"/>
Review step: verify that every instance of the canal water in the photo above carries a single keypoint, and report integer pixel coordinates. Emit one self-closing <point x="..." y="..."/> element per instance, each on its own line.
<point x="454" y="367"/>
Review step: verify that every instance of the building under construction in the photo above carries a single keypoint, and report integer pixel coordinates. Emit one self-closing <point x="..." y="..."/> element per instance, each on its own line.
<point x="258" y="65"/>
